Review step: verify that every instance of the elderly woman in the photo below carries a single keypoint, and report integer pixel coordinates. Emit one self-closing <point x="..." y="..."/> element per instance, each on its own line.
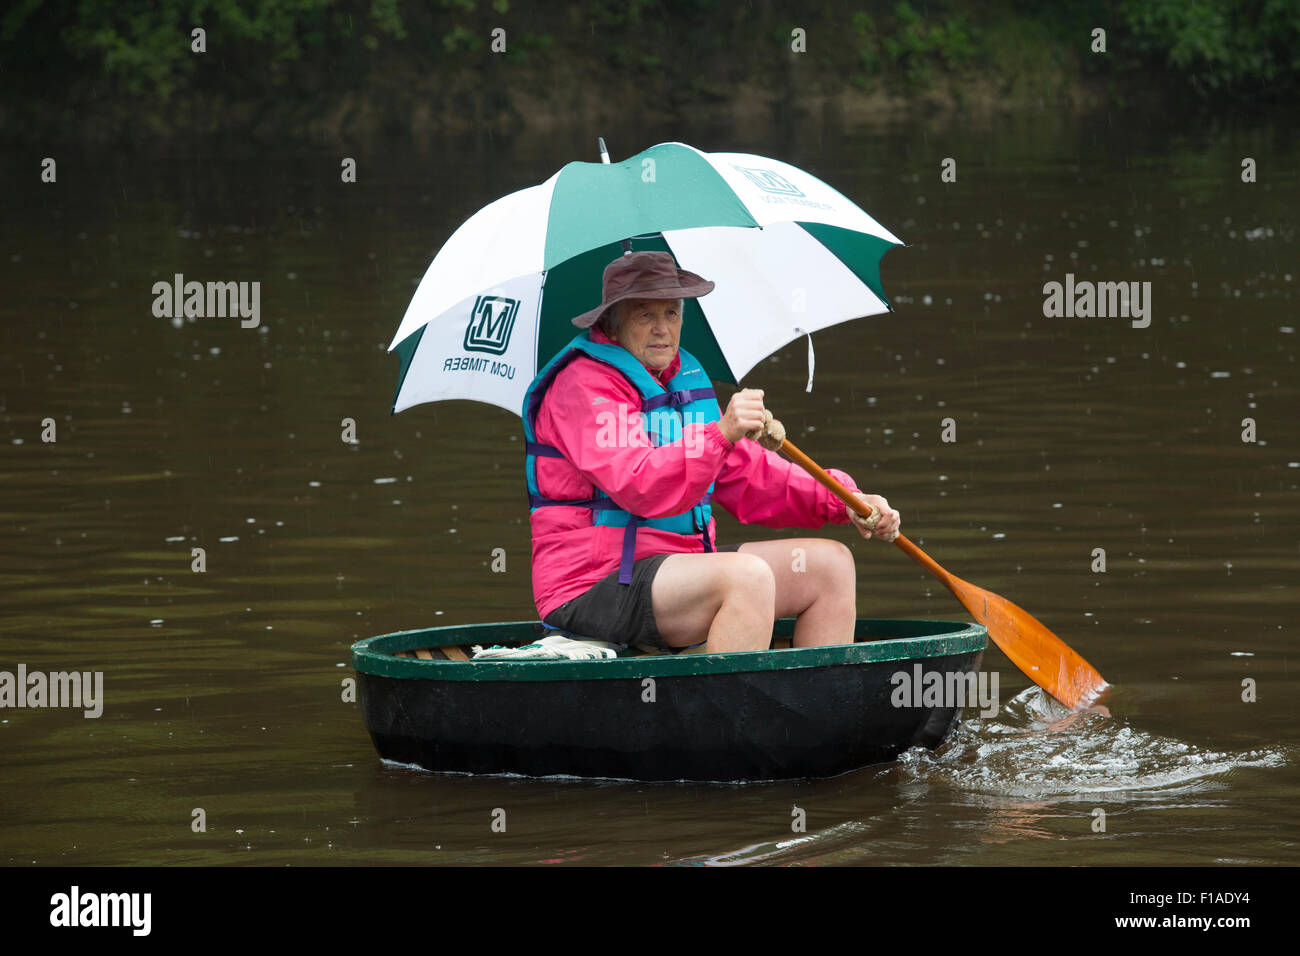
<point x="626" y="453"/>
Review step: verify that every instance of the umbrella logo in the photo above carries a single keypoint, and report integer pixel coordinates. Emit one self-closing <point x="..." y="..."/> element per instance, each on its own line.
<point x="769" y="181"/>
<point x="490" y="324"/>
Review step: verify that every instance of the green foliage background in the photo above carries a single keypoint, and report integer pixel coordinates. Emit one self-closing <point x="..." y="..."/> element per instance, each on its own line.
<point x="79" y="59"/>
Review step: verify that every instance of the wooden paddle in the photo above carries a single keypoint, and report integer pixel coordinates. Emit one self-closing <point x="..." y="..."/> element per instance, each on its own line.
<point x="1046" y="659"/>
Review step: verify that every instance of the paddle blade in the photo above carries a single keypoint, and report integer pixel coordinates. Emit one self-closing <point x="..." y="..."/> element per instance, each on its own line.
<point x="1046" y="659"/>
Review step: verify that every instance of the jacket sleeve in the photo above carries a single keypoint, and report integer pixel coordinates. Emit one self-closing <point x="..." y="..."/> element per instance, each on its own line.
<point x="593" y="417"/>
<point x="758" y="486"/>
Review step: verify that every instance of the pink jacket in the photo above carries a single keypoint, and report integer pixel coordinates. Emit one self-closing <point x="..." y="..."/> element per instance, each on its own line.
<point x="570" y="554"/>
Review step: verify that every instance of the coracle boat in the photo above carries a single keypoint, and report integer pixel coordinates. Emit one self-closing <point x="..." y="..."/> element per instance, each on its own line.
<point x="777" y="714"/>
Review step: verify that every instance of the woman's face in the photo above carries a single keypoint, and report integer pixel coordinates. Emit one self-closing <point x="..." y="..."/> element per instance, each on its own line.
<point x="650" y="329"/>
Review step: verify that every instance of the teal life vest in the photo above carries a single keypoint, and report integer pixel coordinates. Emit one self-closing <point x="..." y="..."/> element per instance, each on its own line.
<point x="662" y="411"/>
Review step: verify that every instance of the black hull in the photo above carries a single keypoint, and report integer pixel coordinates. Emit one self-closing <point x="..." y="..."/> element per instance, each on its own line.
<point x="744" y="726"/>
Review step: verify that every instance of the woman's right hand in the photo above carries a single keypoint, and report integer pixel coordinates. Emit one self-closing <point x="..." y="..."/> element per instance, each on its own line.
<point x="744" y="414"/>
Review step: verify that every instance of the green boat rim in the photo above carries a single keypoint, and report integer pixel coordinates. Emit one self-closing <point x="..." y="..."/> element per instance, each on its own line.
<point x="887" y="640"/>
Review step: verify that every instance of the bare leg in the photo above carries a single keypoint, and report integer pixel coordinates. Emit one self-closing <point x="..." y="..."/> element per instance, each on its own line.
<point x="727" y="598"/>
<point x="815" y="580"/>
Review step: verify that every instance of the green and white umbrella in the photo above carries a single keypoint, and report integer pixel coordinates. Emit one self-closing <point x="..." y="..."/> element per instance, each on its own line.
<point x="788" y="253"/>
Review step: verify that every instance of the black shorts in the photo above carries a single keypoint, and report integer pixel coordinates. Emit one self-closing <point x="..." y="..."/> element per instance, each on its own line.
<point x="618" y="613"/>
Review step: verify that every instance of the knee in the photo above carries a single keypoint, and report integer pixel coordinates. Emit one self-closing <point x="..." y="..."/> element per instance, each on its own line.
<point x="836" y="561"/>
<point x="748" y="576"/>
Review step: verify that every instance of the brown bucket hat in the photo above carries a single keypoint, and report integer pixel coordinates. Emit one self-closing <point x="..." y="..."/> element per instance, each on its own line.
<point x="644" y="275"/>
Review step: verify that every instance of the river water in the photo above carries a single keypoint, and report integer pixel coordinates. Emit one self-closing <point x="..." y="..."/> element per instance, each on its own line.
<point x="222" y="689"/>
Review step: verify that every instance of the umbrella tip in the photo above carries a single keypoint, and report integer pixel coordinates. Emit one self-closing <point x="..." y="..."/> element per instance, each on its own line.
<point x="604" y="153"/>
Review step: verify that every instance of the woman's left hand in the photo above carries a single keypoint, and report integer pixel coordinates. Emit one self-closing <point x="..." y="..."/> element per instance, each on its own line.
<point x="887" y="523"/>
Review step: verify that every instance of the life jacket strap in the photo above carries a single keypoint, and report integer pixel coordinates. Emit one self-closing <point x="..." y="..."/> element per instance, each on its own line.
<point x="676" y="399"/>
<point x="625" y="560"/>
<point x="605" y="503"/>
<point x="599" y="503"/>
<point x="545" y="451"/>
<point x="629" y="551"/>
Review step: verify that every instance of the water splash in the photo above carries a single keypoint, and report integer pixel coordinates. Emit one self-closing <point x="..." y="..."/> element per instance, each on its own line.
<point x="1035" y="748"/>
